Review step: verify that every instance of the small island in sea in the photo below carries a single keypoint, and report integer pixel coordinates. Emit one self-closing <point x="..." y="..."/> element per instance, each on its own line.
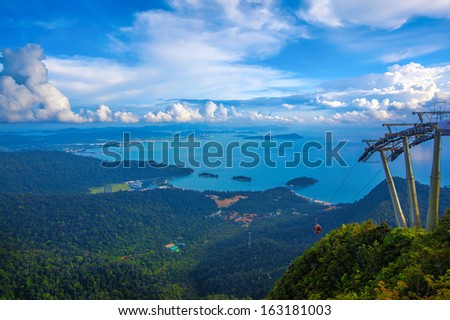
<point x="242" y="178"/>
<point x="301" y="182"/>
<point x="208" y="175"/>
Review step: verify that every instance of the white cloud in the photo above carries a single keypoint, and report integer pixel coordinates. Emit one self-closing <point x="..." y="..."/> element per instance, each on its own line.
<point x="26" y="94"/>
<point x="408" y="53"/>
<point x="407" y="83"/>
<point x="197" y="50"/>
<point x="95" y="80"/>
<point x="160" y="116"/>
<point x="357" y="117"/>
<point x="102" y="114"/>
<point x="253" y="115"/>
<point x="373" y="104"/>
<point x="388" y="96"/>
<point x="322" y="12"/>
<point x="385" y="14"/>
<point x="365" y="112"/>
<point x="330" y="103"/>
<point x="288" y="106"/>
<point x="183" y="113"/>
<point x="125" y="117"/>
<point x="211" y="112"/>
<point x="214" y="112"/>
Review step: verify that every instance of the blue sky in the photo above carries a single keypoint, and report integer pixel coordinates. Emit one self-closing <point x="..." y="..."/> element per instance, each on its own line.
<point x="219" y="61"/>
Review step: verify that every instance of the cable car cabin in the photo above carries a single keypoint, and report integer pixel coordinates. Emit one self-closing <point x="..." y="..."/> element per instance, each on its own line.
<point x="317" y="229"/>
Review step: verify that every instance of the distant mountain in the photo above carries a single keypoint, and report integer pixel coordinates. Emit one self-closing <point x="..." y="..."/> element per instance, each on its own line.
<point x="53" y="138"/>
<point x="377" y="206"/>
<point x="54" y="172"/>
<point x="287" y="136"/>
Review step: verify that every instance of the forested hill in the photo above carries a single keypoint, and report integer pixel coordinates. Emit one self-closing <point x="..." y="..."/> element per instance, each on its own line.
<point x="366" y="261"/>
<point x="68" y="244"/>
<point x="112" y="246"/>
<point x="54" y="172"/>
<point x="377" y="206"/>
<point x="105" y="246"/>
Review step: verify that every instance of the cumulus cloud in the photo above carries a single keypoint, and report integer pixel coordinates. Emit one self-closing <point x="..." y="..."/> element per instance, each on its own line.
<point x="356" y="117"/>
<point x="177" y="112"/>
<point x="258" y="116"/>
<point x="214" y="112"/>
<point x="125" y="117"/>
<point x="390" y="95"/>
<point x="102" y="114"/>
<point x="26" y="94"/>
<point x="385" y="14"/>
<point x="211" y="112"/>
<point x="330" y="103"/>
<point x="373" y="104"/>
<point x="411" y="83"/>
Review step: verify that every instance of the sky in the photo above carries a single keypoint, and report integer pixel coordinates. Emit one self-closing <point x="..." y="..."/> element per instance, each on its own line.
<point x="297" y="62"/>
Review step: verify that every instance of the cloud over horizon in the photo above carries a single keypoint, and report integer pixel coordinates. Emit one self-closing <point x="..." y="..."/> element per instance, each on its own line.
<point x="224" y="61"/>
<point x="392" y="95"/>
<point x="26" y="95"/>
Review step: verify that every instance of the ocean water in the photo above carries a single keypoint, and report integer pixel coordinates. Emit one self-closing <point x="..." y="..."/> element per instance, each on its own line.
<point x="337" y="183"/>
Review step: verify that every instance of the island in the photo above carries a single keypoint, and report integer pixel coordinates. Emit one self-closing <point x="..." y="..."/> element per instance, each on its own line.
<point x="208" y="175"/>
<point x="242" y="178"/>
<point x="301" y="182"/>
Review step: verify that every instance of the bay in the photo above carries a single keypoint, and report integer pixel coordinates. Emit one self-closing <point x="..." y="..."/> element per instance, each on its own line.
<point x="337" y="183"/>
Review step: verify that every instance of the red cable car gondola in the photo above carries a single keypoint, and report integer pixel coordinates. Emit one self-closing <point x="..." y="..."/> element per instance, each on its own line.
<point x="317" y="228"/>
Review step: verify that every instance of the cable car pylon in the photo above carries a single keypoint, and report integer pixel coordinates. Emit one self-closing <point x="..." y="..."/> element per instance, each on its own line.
<point x="435" y="185"/>
<point x="432" y="125"/>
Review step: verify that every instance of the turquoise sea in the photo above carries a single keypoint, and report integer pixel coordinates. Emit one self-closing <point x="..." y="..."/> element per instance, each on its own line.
<point x="336" y="183"/>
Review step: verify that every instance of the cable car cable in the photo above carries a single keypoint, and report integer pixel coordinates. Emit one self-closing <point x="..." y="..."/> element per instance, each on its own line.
<point x="368" y="183"/>
<point x="342" y="183"/>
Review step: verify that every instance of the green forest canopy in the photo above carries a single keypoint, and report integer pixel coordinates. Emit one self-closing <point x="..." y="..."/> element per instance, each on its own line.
<point x="58" y="242"/>
<point x="366" y="261"/>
